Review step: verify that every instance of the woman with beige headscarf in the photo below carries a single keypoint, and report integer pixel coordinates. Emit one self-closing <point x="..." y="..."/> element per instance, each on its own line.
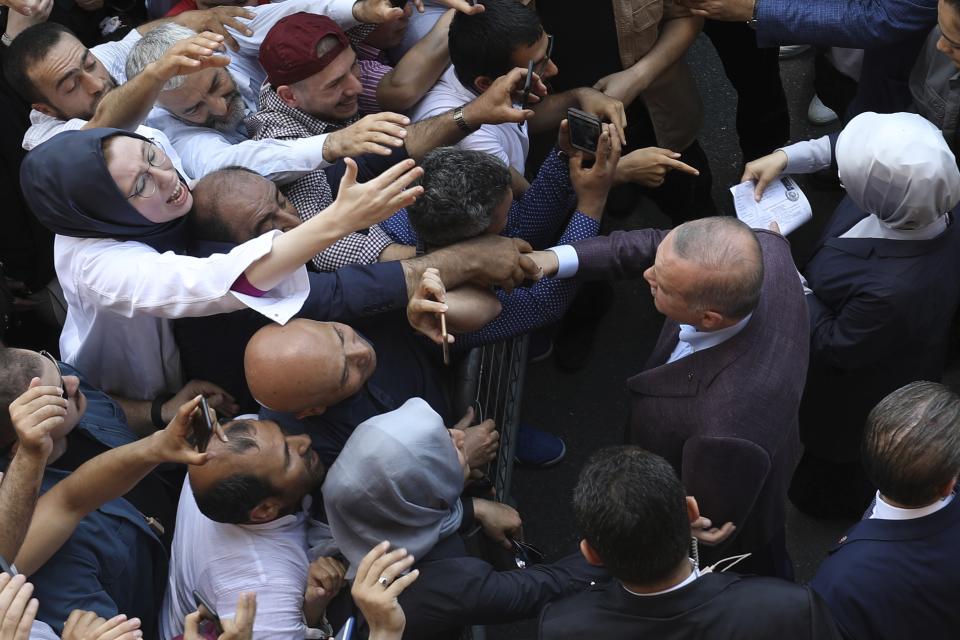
<point x="883" y="287"/>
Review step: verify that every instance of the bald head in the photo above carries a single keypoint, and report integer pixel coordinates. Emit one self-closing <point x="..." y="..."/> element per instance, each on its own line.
<point x="727" y="256"/>
<point x="305" y="366"/>
<point x="236" y="205"/>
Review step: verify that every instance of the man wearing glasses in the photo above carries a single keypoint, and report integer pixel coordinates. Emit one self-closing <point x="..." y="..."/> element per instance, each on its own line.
<point x="488" y="45"/>
<point x="88" y="547"/>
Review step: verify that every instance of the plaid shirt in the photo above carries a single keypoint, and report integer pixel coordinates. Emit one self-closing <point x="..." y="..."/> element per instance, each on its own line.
<point x="311" y="192"/>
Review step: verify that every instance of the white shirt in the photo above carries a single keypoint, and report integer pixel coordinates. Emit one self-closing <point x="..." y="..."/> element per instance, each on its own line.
<point x="221" y="561"/>
<point x="113" y="55"/>
<point x="883" y="510"/>
<point x="694" y="574"/>
<point x="122" y="295"/>
<point x="691" y="340"/>
<point x="506" y="141"/>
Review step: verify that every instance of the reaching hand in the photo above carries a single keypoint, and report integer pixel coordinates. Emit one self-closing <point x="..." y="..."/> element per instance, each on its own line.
<point x="764" y="170"/>
<point x="704" y="531"/>
<point x="463" y="6"/>
<point x="217" y="20"/>
<point x="495" y="105"/>
<point x="649" y="166"/>
<point x="360" y="206"/>
<point x="17" y="608"/>
<point x="325" y="579"/>
<point x="593" y="183"/>
<point x="217" y="399"/>
<point x="481" y="441"/>
<point x="380" y="11"/>
<point x="171" y="444"/>
<point x="35" y="413"/>
<point x="378" y="584"/>
<point x="624" y="86"/>
<point x="500" y="261"/>
<point x="239" y="628"/>
<point x="87" y="625"/>
<point x="723" y="10"/>
<point x="499" y="521"/>
<point x="191" y="55"/>
<point x="426" y="303"/>
<point x="605" y="108"/>
<point x="378" y="133"/>
<point x="29" y="8"/>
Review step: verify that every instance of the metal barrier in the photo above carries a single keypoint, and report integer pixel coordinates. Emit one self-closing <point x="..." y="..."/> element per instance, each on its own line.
<point x="490" y="379"/>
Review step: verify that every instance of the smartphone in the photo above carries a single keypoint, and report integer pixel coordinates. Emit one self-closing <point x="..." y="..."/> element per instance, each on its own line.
<point x="202" y="426"/>
<point x="584" y="130"/>
<point x="6" y="567"/>
<point x="527" y="84"/>
<point x="346" y="631"/>
<point x="207" y="612"/>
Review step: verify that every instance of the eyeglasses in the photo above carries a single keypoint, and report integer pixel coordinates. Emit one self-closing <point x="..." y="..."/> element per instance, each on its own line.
<point x="538" y="68"/>
<point x="49" y="356"/>
<point x="146" y="184"/>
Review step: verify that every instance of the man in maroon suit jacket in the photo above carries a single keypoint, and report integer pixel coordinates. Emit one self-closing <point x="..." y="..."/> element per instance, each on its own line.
<point x="718" y="397"/>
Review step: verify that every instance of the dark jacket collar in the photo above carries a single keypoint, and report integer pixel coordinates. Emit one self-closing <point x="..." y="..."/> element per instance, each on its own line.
<point x="901" y="530"/>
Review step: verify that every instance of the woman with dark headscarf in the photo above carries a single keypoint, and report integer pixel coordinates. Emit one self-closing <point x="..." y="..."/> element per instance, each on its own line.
<point x="882" y="290"/>
<point x="117" y="203"/>
<point x="399" y="478"/>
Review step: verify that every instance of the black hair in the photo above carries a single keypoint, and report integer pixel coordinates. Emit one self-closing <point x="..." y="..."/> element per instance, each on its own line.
<point x="461" y="190"/>
<point x="233" y="498"/>
<point x="911" y="446"/>
<point x="482" y="44"/>
<point x="17" y="368"/>
<point x="208" y="193"/>
<point x="27" y="49"/>
<point x="631" y="509"/>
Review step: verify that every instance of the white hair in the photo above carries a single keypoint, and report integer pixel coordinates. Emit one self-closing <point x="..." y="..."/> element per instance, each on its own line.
<point x="153" y="46"/>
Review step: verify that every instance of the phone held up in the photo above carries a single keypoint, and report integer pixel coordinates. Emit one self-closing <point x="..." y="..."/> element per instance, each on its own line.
<point x="584" y="130"/>
<point x="207" y="612"/>
<point x="202" y="426"/>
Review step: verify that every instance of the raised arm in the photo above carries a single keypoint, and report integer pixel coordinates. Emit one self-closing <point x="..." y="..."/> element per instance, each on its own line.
<point x="418" y="70"/>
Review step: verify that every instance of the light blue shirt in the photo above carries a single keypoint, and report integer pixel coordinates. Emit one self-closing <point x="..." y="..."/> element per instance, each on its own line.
<point x="691" y="340"/>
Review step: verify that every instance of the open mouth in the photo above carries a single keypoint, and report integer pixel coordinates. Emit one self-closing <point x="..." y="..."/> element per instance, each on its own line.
<point x="179" y="195"/>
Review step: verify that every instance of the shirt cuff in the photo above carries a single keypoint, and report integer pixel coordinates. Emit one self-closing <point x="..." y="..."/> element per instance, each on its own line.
<point x="808" y="156"/>
<point x="568" y="261"/>
<point x="309" y="150"/>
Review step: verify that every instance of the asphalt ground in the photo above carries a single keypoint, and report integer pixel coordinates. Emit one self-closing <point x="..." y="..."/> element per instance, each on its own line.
<point x="588" y="409"/>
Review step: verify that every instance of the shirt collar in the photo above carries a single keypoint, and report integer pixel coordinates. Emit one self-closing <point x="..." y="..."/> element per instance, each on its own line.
<point x="700" y="340"/>
<point x="689" y="579"/>
<point x="883" y="510"/>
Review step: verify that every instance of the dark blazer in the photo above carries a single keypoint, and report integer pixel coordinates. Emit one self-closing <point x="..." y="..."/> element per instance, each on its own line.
<point x="893" y="579"/>
<point x="880" y="317"/>
<point x="724" y="417"/>
<point x="456" y="589"/>
<point x="716" y="605"/>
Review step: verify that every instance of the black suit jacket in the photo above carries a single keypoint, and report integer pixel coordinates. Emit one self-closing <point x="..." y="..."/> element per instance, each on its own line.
<point x="716" y="605"/>
<point x="880" y="317"/>
<point x="724" y="417"/>
<point x="893" y="579"/>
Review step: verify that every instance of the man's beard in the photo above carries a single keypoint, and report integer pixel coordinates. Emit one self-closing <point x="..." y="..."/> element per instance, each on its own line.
<point x="236" y="111"/>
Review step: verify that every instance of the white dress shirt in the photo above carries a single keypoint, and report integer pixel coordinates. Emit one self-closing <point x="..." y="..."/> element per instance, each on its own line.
<point x="694" y="574"/>
<point x="883" y="510"/>
<point x="122" y="295"/>
<point x="690" y="340"/>
<point x="506" y="141"/>
<point x="221" y="561"/>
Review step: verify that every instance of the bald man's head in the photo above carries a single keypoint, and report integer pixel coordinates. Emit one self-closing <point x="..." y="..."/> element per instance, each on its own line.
<point x="707" y="273"/>
<point x="236" y="205"/>
<point x="305" y="366"/>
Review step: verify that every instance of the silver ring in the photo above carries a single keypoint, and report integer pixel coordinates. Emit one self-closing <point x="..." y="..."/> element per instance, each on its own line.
<point x="383" y="581"/>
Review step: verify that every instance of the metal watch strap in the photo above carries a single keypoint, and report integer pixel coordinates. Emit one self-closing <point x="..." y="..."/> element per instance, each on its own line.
<point x="461" y="123"/>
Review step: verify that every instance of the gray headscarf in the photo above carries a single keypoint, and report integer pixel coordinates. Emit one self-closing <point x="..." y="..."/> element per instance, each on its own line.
<point x="399" y="479"/>
<point x="898" y="167"/>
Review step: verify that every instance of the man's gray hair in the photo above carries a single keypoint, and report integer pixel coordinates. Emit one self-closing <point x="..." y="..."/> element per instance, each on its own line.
<point x="728" y="250"/>
<point x="911" y="447"/>
<point x="151" y="48"/>
<point x="462" y="188"/>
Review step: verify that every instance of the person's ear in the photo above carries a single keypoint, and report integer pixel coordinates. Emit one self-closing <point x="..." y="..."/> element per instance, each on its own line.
<point x="693" y="510"/>
<point x="482" y="83"/>
<point x="312" y="411"/>
<point x="590" y="554"/>
<point x="948" y="488"/>
<point x="266" y="511"/>
<point x="711" y="320"/>
<point x="46" y="110"/>
<point x="289" y="97"/>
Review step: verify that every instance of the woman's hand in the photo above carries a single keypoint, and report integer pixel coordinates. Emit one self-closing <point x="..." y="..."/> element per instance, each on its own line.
<point x="378" y="584"/>
<point x="764" y="171"/>
<point x="360" y="206"/>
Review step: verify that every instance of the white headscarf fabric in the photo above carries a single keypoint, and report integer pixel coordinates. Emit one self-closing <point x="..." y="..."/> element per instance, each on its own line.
<point x="898" y="167"/>
<point x="398" y="478"/>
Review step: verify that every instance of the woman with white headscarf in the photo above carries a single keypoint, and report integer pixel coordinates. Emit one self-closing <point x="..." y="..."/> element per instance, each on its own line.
<point x="399" y="478"/>
<point x="883" y="287"/>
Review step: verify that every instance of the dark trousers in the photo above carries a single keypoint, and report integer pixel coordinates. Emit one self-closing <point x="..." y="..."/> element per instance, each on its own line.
<point x="763" y="121"/>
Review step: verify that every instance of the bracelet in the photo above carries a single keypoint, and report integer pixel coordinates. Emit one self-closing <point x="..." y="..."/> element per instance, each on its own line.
<point x="6" y="39"/>
<point x="156" y="410"/>
<point x="461" y="123"/>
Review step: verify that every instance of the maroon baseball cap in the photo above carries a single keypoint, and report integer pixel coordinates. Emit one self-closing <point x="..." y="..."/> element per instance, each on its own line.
<point x="289" y="52"/>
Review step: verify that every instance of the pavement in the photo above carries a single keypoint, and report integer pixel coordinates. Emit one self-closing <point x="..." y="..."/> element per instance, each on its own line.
<point x="588" y="409"/>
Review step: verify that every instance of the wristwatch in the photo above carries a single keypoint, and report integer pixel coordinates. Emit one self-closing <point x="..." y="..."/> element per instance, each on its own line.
<point x="752" y="22"/>
<point x="461" y="123"/>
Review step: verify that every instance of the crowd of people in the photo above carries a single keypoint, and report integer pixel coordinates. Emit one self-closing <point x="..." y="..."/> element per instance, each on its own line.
<point x="243" y="242"/>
